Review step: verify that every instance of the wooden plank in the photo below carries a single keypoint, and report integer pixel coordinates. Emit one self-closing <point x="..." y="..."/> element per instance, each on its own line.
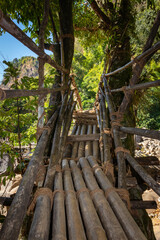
<point x="83" y="137"/>
<point x="143" y="204"/>
<point x="142" y="132"/>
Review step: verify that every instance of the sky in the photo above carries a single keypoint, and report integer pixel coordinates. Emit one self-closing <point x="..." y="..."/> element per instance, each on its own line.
<point x="11" y="48"/>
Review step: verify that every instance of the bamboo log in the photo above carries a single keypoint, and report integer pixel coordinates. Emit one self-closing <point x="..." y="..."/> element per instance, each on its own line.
<point x="83" y="138"/>
<point x="41" y="221"/>
<point x="88" y="145"/>
<point x="149" y="160"/>
<point x="68" y="151"/>
<point x="142" y="132"/>
<point x="81" y="144"/>
<point x="75" y="146"/>
<point x="127" y="222"/>
<point x="54" y="158"/>
<point x="143" y="204"/>
<point x="95" y="143"/>
<point x="91" y="220"/>
<point x="101" y="129"/>
<point x="143" y="174"/>
<point x="59" y="222"/>
<point x="74" y="221"/>
<point x="8" y="25"/>
<point x="117" y="142"/>
<point x="109" y="221"/>
<point x="20" y="202"/>
<point x="5" y="93"/>
<point x="138" y="86"/>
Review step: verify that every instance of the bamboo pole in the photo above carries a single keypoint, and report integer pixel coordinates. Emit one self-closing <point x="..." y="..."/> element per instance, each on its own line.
<point x="127" y="222"/>
<point x="81" y="144"/>
<point x="143" y="174"/>
<point x="117" y="142"/>
<point x="20" y="202"/>
<point x="74" y="221"/>
<point x="142" y="132"/>
<point x="138" y="86"/>
<point x="95" y="143"/>
<point x="59" y="221"/>
<point x="83" y="138"/>
<point x="92" y="223"/>
<point x="8" y="93"/>
<point x="109" y="221"/>
<point x="143" y="204"/>
<point x="88" y="145"/>
<point x="101" y="129"/>
<point x="68" y="150"/>
<point x="75" y="145"/>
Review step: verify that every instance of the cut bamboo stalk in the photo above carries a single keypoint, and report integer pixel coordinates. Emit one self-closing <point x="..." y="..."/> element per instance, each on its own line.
<point x="59" y="221"/>
<point x="95" y="144"/>
<point x="143" y="174"/>
<point x="142" y="132"/>
<point x="8" y="93"/>
<point x="68" y="151"/>
<point x="109" y="221"/>
<point x="91" y="220"/>
<point x="75" y="145"/>
<point x="138" y="86"/>
<point x="88" y="145"/>
<point x="83" y="138"/>
<point x="41" y="221"/>
<point x="117" y="142"/>
<point x="54" y="158"/>
<point x="74" y="221"/>
<point x="20" y="202"/>
<point x="81" y="144"/>
<point x="127" y="222"/>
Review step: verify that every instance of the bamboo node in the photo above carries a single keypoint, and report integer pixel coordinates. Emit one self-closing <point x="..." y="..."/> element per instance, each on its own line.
<point x="57" y="191"/>
<point x="2" y="94"/>
<point x="95" y="191"/>
<point x="82" y="190"/>
<point x="40" y="192"/>
<point x="95" y="167"/>
<point x="121" y="149"/>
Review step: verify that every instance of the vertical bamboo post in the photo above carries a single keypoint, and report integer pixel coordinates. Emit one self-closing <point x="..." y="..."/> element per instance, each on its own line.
<point x="68" y="151"/>
<point x="95" y="144"/>
<point x="117" y="141"/>
<point x="82" y="144"/>
<point x="75" y="145"/>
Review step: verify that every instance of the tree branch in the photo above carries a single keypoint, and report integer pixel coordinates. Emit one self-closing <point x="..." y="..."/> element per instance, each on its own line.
<point x="53" y="26"/>
<point x="8" y="25"/>
<point x="100" y="13"/>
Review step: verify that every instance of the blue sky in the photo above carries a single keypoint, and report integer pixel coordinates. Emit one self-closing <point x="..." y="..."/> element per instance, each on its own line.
<point x="11" y="48"/>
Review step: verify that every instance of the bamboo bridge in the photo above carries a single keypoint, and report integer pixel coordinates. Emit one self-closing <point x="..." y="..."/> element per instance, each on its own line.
<point x="82" y="190"/>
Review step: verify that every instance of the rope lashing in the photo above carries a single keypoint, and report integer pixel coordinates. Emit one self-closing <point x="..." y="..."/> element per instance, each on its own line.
<point x="93" y="192"/>
<point x="2" y="94"/>
<point x="125" y="90"/>
<point x="58" y="191"/>
<point x="121" y="149"/>
<point x="108" y="168"/>
<point x="40" y="192"/>
<point x="82" y="190"/>
<point x="123" y="194"/>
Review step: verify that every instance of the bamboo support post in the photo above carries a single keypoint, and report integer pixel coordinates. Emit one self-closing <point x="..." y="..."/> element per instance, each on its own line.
<point x="109" y="221"/>
<point x="75" y="145"/>
<point x="74" y="221"/>
<point x="95" y="144"/>
<point x="20" y="202"/>
<point x="117" y="142"/>
<point x="81" y="146"/>
<point x="91" y="220"/>
<point x="143" y="174"/>
<point x="142" y="132"/>
<point x="88" y="145"/>
<point x="127" y="222"/>
<point x="137" y="86"/>
<point x="59" y="221"/>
